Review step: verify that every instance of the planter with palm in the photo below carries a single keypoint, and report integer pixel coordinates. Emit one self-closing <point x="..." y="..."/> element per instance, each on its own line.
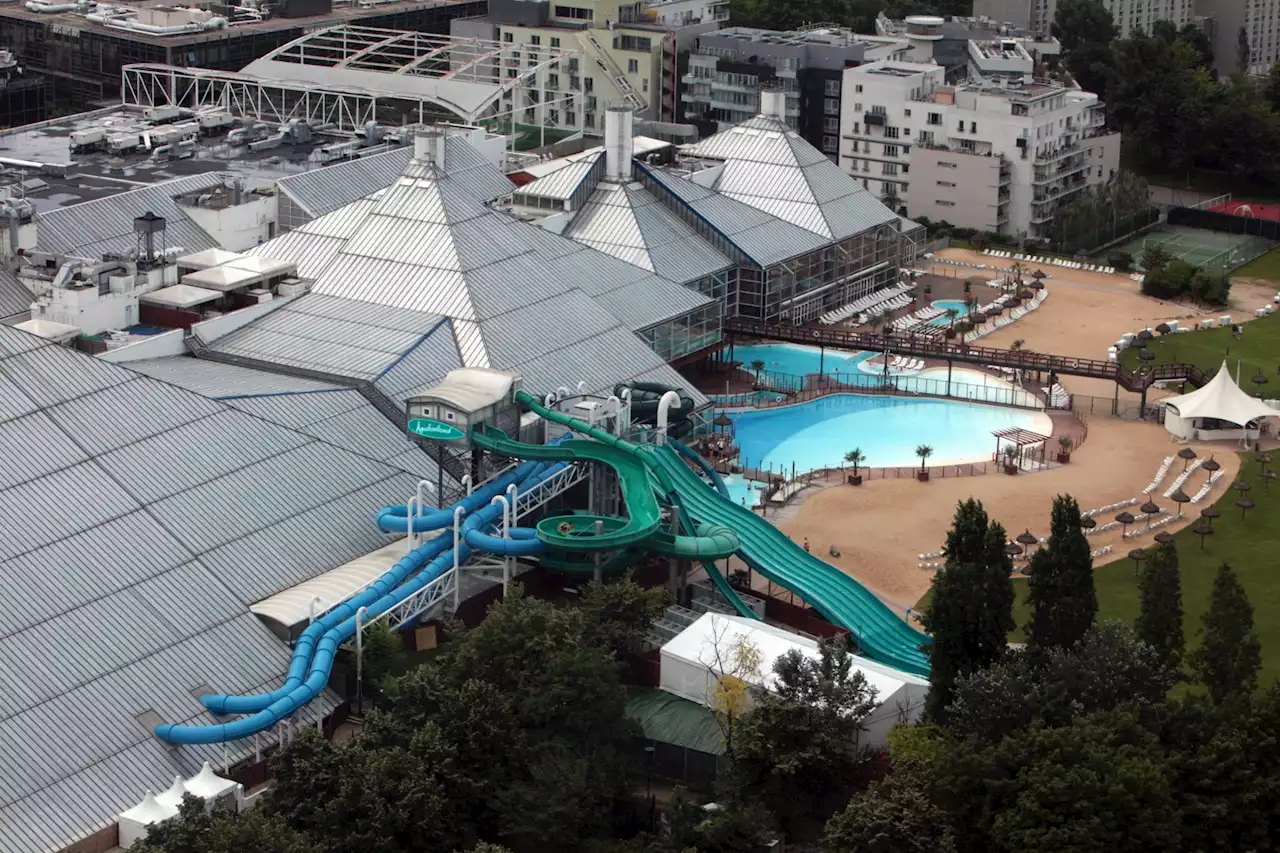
<point x="757" y="366"/>
<point x="924" y="451"/>
<point x="1064" y="449"/>
<point x="855" y="458"/>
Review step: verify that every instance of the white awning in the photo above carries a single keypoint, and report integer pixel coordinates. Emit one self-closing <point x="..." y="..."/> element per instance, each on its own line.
<point x="181" y="296"/>
<point x="1221" y="399"/>
<point x="222" y="278"/>
<point x="265" y="267"/>
<point x="293" y="606"/>
<point x="207" y="259"/>
<point x="49" y="329"/>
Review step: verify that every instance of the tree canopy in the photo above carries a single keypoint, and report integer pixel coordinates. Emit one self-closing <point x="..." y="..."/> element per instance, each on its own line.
<point x="1160" y="604"/>
<point x="971" y="611"/>
<point x="1229" y="655"/>
<point x="1061" y="592"/>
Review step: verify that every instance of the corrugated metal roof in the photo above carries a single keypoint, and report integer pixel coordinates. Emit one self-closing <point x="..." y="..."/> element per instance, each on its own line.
<point x="106" y="224"/>
<point x="110" y="609"/>
<point x="563" y="182"/>
<point x="771" y="167"/>
<point x="15" y="299"/>
<point x="421" y="366"/>
<point x="219" y="380"/>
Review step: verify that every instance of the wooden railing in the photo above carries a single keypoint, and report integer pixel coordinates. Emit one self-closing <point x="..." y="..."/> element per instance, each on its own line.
<point x="1131" y="380"/>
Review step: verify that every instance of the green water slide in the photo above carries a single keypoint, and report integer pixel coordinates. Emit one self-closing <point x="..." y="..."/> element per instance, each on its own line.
<point x="586" y="532"/>
<point x="881" y="634"/>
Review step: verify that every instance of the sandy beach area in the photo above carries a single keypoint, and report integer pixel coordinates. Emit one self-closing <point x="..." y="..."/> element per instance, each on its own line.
<point x="882" y="527"/>
<point x="1087" y="312"/>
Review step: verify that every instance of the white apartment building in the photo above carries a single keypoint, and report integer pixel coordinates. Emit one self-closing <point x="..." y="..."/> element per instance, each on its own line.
<point x="616" y="53"/>
<point x="682" y="13"/>
<point x="1129" y="15"/>
<point x="998" y="154"/>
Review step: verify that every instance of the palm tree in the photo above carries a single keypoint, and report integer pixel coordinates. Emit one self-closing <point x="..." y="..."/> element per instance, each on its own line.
<point x="757" y="366"/>
<point x="952" y="314"/>
<point x="1017" y="271"/>
<point x="924" y="451"/>
<point x="855" y="458"/>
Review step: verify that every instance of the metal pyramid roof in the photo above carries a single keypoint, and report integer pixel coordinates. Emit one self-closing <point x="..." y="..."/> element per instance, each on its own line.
<point x="627" y="222"/>
<point x="770" y="167"/>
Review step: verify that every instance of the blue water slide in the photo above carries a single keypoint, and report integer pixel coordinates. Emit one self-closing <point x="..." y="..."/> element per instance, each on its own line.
<point x="309" y="671"/>
<point x="221" y="704"/>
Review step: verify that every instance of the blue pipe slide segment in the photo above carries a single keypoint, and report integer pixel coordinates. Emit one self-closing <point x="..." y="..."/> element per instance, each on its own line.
<point x="315" y="651"/>
<point x="713" y="476"/>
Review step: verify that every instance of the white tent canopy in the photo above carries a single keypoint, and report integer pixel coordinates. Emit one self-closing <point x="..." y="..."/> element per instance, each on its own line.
<point x="694" y="660"/>
<point x="1221" y="399"/>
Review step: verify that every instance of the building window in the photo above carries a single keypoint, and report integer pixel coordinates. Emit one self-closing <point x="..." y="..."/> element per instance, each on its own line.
<point x="889" y="169"/>
<point x="907" y="113"/>
<point x="935" y="119"/>
<point x="507" y="37"/>
<point x="574" y="83"/>
<point x="858" y="88"/>
<point x="586" y="84"/>
<point x="831" y="125"/>
<point x="832" y="87"/>
<point x="857" y="128"/>
<point x="574" y="12"/>
<point x="831" y="106"/>
<point x="830" y="143"/>
<point x="555" y="42"/>
<point x="644" y="85"/>
<point x="943" y="203"/>
<point x="553" y="81"/>
<point x="890" y="133"/>
<point x="891" y="151"/>
<point x="633" y="66"/>
<point x="945" y="184"/>
<point x="943" y="164"/>
<point x="535" y="39"/>
<point x="633" y="43"/>
<point x="973" y="127"/>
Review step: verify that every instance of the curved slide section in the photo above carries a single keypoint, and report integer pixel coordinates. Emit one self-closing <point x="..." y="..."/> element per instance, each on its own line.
<point x="713" y="476"/>
<point x="838" y="597"/>
<point x="309" y="670"/>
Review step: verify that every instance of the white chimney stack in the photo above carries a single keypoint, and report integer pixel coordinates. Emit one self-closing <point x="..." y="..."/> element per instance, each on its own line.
<point x="428" y="147"/>
<point x="619" y="142"/>
<point x="773" y="104"/>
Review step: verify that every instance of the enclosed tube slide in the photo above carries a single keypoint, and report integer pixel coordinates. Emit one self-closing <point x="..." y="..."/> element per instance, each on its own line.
<point x="315" y="651"/>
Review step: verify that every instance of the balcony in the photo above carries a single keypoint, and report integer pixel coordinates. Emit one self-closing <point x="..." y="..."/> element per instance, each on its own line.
<point x="874" y="119"/>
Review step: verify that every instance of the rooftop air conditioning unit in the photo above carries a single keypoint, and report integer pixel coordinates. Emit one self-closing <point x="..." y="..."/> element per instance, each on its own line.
<point x="293" y="287"/>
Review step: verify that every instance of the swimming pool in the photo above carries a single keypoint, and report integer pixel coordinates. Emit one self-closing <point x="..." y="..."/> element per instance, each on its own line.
<point x="817" y="434"/>
<point x="798" y="359"/>
<point x="946" y="305"/>
<point x="751" y="398"/>
<point x="742" y="491"/>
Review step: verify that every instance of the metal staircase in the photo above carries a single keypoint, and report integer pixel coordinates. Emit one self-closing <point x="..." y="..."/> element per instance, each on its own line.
<point x="605" y="60"/>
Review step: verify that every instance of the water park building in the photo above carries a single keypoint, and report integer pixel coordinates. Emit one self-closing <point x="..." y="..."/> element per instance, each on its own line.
<point x="222" y="353"/>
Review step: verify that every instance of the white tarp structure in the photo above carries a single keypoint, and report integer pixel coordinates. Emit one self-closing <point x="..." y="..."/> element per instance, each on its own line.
<point x="136" y="822"/>
<point x="1219" y="410"/>
<point x="695" y="659"/>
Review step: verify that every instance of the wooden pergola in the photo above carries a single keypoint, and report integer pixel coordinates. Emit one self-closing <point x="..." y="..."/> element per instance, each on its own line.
<point x="1020" y="439"/>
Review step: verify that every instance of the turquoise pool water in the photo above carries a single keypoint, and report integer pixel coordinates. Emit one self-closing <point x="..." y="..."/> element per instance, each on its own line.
<point x="817" y="434"/>
<point x="946" y="305"/>
<point x="742" y="491"/>
<point x="797" y="359"/>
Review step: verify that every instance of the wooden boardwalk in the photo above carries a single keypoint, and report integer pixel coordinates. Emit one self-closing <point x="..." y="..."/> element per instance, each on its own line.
<point x="1131" y="380"/>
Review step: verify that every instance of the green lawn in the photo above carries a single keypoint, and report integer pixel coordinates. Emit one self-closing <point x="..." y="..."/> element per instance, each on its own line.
<point x="1258" y="350"/>
<point x="1251" y="547"/>
<point x="1264" y="266"/>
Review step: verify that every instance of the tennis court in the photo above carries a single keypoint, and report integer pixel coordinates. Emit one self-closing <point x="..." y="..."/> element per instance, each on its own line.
<point x="1213" y="251"/>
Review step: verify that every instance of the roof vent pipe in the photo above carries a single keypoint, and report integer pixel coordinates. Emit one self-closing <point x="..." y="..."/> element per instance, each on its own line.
<point x="428" y="147"/>
<point x="773" y="103"/>
<point x="619" y="142"/>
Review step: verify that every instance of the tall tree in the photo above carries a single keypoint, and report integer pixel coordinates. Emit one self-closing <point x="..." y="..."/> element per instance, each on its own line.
<point x="895" y="814"/>
<point x="1161" y="99"/>
<point x="1160" y="604"/>
<point x="797" y="748"/>
<point x="1229" y="655"/>
<point x="971" y="611"/>
<point x="1078" y="21"/>
<point x="1061" y="592"/>
<point x="618" y="614"/>
<point x="1110" y="668"/>
<point x="197" y="829"/>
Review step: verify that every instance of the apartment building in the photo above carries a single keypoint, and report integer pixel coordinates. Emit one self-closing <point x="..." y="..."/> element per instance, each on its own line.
<point x="945" y="41"/>
<point x="728" y="68"/>
<point x="682" y="13"/>
<point x="1000" y="153"/>
<point x="1129" y="15"/>
<point x="622" y="54"/>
